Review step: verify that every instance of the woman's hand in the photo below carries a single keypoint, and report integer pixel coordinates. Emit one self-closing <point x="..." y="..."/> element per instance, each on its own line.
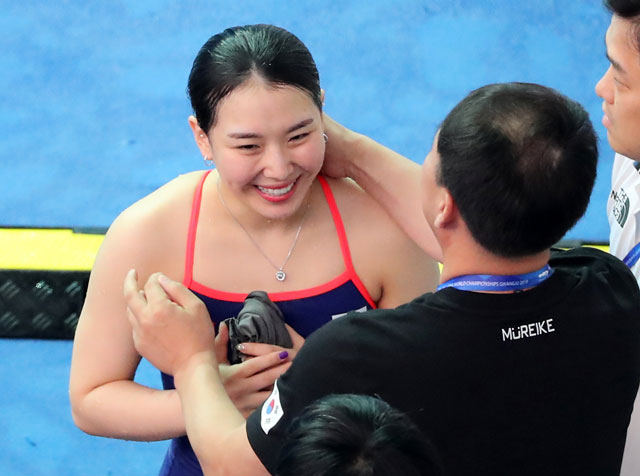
<point x="249" y="383"/>
<point x="256" y="349"/>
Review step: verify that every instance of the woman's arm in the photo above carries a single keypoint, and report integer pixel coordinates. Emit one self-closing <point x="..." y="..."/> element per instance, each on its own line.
<point x="391" y="179"/>
<point x="104" y="399"/>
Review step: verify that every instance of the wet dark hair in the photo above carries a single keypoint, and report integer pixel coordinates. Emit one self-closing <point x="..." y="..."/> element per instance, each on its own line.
<point x="355" y="435"/>
<point x="520" y="162"/>
<point x="630" y="10"/>
<point x="230" y="58"/>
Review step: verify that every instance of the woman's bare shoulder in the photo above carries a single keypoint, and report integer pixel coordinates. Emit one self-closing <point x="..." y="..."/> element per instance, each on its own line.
<point x="358" y="206"/>
<point x="159" y="221"/>
<point x="166" y="200"/>
<point x="383" y="255"/>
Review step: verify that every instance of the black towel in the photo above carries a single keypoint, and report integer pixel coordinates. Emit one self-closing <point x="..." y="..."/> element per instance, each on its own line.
<point x="259" y="320"/>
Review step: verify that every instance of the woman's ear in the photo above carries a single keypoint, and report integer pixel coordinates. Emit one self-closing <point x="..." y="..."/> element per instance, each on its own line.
<point x="201" y="138"/>
<point x="322" y="96"/>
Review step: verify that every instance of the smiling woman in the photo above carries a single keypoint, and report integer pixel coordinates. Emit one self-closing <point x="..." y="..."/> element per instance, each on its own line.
<point x="263" y="220"/>
<point x="268" y="148"/>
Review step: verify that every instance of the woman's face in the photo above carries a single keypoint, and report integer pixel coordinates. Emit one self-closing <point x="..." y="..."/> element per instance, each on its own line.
<point x="268" y="147"/>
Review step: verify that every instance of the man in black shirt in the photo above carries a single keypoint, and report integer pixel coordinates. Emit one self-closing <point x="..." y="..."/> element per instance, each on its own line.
<point x="525" y="361"/>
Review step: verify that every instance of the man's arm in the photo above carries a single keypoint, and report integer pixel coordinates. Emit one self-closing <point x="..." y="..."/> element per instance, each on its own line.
<point x="216" y="430"/>
<point x="172" y="329"/>
<point x="391" y="179"/>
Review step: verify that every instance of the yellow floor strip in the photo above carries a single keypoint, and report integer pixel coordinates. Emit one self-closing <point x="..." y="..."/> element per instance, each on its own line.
<point x="47" y="249"/>
<point x="600" y="247"/>
<point x="56" y="249"/>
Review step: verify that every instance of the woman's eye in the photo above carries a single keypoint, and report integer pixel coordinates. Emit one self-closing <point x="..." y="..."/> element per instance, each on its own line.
<point x="248" y="147"/>
<point x="299" y="136"/>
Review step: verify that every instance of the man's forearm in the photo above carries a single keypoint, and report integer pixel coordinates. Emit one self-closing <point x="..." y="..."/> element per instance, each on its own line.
<point x="216" y="429"/>
<point x="172" y="328"/>
<point x="394" y="182"/>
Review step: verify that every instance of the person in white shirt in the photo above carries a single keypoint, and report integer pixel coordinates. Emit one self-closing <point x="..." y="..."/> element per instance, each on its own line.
<point x="619" y="89"/>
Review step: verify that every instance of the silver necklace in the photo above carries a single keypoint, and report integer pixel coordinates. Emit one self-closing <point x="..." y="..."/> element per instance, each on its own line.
<point x="280" y="274"/>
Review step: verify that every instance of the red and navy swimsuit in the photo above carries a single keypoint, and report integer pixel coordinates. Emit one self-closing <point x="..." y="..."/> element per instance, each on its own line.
<point x="305" y="310"/>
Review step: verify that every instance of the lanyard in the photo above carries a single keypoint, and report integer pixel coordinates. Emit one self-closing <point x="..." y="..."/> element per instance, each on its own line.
<point x="632" y="256"/>
<point x="491" y="282"/>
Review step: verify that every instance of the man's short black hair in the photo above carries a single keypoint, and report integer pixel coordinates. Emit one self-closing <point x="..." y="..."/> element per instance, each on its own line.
<point x="520" y="161"/>
<point x="629" y="10"/>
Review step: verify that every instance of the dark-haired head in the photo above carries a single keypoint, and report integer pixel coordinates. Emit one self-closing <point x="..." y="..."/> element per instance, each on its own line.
<point x="520" y="162"/>
<point x="229" y="59"/>
<point x="629" y="10"/>
<point x="623" y="8"/>
<point x="355" y="435"/>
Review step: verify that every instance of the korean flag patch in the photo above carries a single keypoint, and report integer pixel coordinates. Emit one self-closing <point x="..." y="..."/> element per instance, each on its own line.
<point x="271" y="410"/>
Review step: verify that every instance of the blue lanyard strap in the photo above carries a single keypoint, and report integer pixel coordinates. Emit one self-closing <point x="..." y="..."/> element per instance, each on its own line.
<point x="632" y="256"/>
<point x="491" y="282"/>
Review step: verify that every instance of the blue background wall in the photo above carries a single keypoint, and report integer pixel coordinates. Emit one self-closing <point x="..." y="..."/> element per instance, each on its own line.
<point x="93" y="110"/>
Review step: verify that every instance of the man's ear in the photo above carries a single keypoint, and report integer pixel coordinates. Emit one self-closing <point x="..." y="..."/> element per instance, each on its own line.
<point x="447" y="210"/>
<point x="201" y="138"/>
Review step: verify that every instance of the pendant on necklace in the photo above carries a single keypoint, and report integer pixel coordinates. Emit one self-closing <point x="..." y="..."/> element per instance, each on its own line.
<point x="280" y="275"/>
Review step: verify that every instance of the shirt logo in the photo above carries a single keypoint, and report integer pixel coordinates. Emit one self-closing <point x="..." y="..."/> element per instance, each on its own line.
<point x="272" y="410"/>
<point x="336" y="316"/>
<point x="528" y="330"/>
<point x="620" y="209"/>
